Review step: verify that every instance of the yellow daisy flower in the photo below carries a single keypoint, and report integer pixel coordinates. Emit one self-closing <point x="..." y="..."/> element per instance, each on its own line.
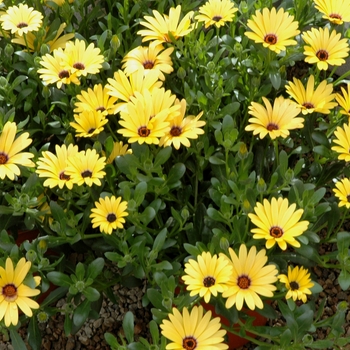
<point x="88" y="123"/>
<point x="273" y="29"/>
<point x="297" y="282"/>
<point x="96" y="99"/>
<point x="216" y="12"/>
<point x="86" y="167"/>
<point x="193" y="330"/>
<point x="145" y="117"/>
<point x="278" y="222"/>
<point x="14" y="293"/>
<point x="53" y="71"/>
<point x="34" y="44"/>
<point x="206" y="276"/>
<point x="21" y="19"/>
<point x="53" y="166"/>
<point x="343" y="141"/>
<point x="310" y="100"/>
<point x="250" y="278"/>
<point x="275" y="121"/>
<point x="344" y="100"/>
<point x="159" y="27"/>
<point x="10" y="151"/>
<point x="342" y="191"/>
<point x="335" y="11"/>
<point x="118" y="150"/>
<point x="82" y="60"/>
<point x="59" y="2"/>
<point x="108" y="214"/>
<point x="150" y="58"/>
<point x="182" y="129"/>
<point x="324" y="48"/>
<point x="123" y="87"/>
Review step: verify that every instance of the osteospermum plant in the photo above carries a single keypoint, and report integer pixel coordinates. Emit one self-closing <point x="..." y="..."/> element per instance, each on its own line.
<point x="199" y="149"/>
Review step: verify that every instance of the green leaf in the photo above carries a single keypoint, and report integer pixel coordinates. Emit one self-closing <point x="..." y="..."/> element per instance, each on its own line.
<point x="81" y="314"/>
<point x="54" y="296"/>
<point x="162" y="156"/>
<point x="58" y="214"/>
<point x="160" y="239"/>
<point x="140" y="192"/>
<point x="34" y="335"/>
<point x="344" y="279"/>
<point x="16" y="340"/>
<point x="305" y="321"/>
<point x="91" y="293"/>
<point x="80" y="271"/>
<point x="147" y="216"/>
<point x="215" y="215"/>
<point x="59" y="279"/>
<point x="322" y="344"/>
<point x="163" y="265"/>
<point x="343" y="242"/>
<point x="216" y="161"/>
<point x="175" y="174"/>
<point x="128" y="326"/>
<point x="320" y="138"/>
<point x="95" y="268"/>
<point x="322" y="150"/>
<point x="68" y="324"/>
<point x="111" y="340"/>
<point x="191" y="249"/>
<point x="230" y="109"/>
<point x="154" y="330"/>
<point x="275" y="78"/>
<point x="155" y="298"/>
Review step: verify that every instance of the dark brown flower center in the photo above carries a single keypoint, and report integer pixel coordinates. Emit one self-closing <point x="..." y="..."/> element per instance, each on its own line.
<point x="217" y="18"/>
<point x="3" y="158"/>
<point x="9" y="291"/>
<point x="22" y="25"/>
<point x="102" y="109"/>
<point x="63" y="176"/>
<point x="79" y="66"/>
<point x="308" y="105"/>
<point x="335" y="15"/>
<point x="143" y="131"/>
<point x="270" y="39"/>
<point x="348" y="198"/>
<point x="148" y="65"/>
<point x="63" y="74"/>
<point x="243" y="282"/>
<point x="175" y="131"/>
<point x="189" y="343"/>
<point x="91" y="130"/>
<point x="111" y="217"/>
<point x="322" y="55"/>
<point x="208" y="281"/>
<point x="276" y="232"/>
<point x="86" y="173"/>
<point x="294" y="285"/>
<point x="272" y="126"/>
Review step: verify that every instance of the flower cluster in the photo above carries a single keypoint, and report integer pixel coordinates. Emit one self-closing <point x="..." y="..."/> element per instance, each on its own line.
<point x="200" y="150"/>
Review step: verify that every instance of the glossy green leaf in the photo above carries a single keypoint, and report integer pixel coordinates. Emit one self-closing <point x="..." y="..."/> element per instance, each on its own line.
<point x="95" y="268"/>
<point x="91" y="293"/>
<point x="59" y="279"/>
<point x="140" y="192"/>
<point x="81" y="313"/>
<point x="128" y="326"/>
<point x="34" y="334"/>
<point x="16" y="340"/>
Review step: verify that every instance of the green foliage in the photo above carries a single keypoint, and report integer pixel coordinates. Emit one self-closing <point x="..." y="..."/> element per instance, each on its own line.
<point x="180" y="202"/>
